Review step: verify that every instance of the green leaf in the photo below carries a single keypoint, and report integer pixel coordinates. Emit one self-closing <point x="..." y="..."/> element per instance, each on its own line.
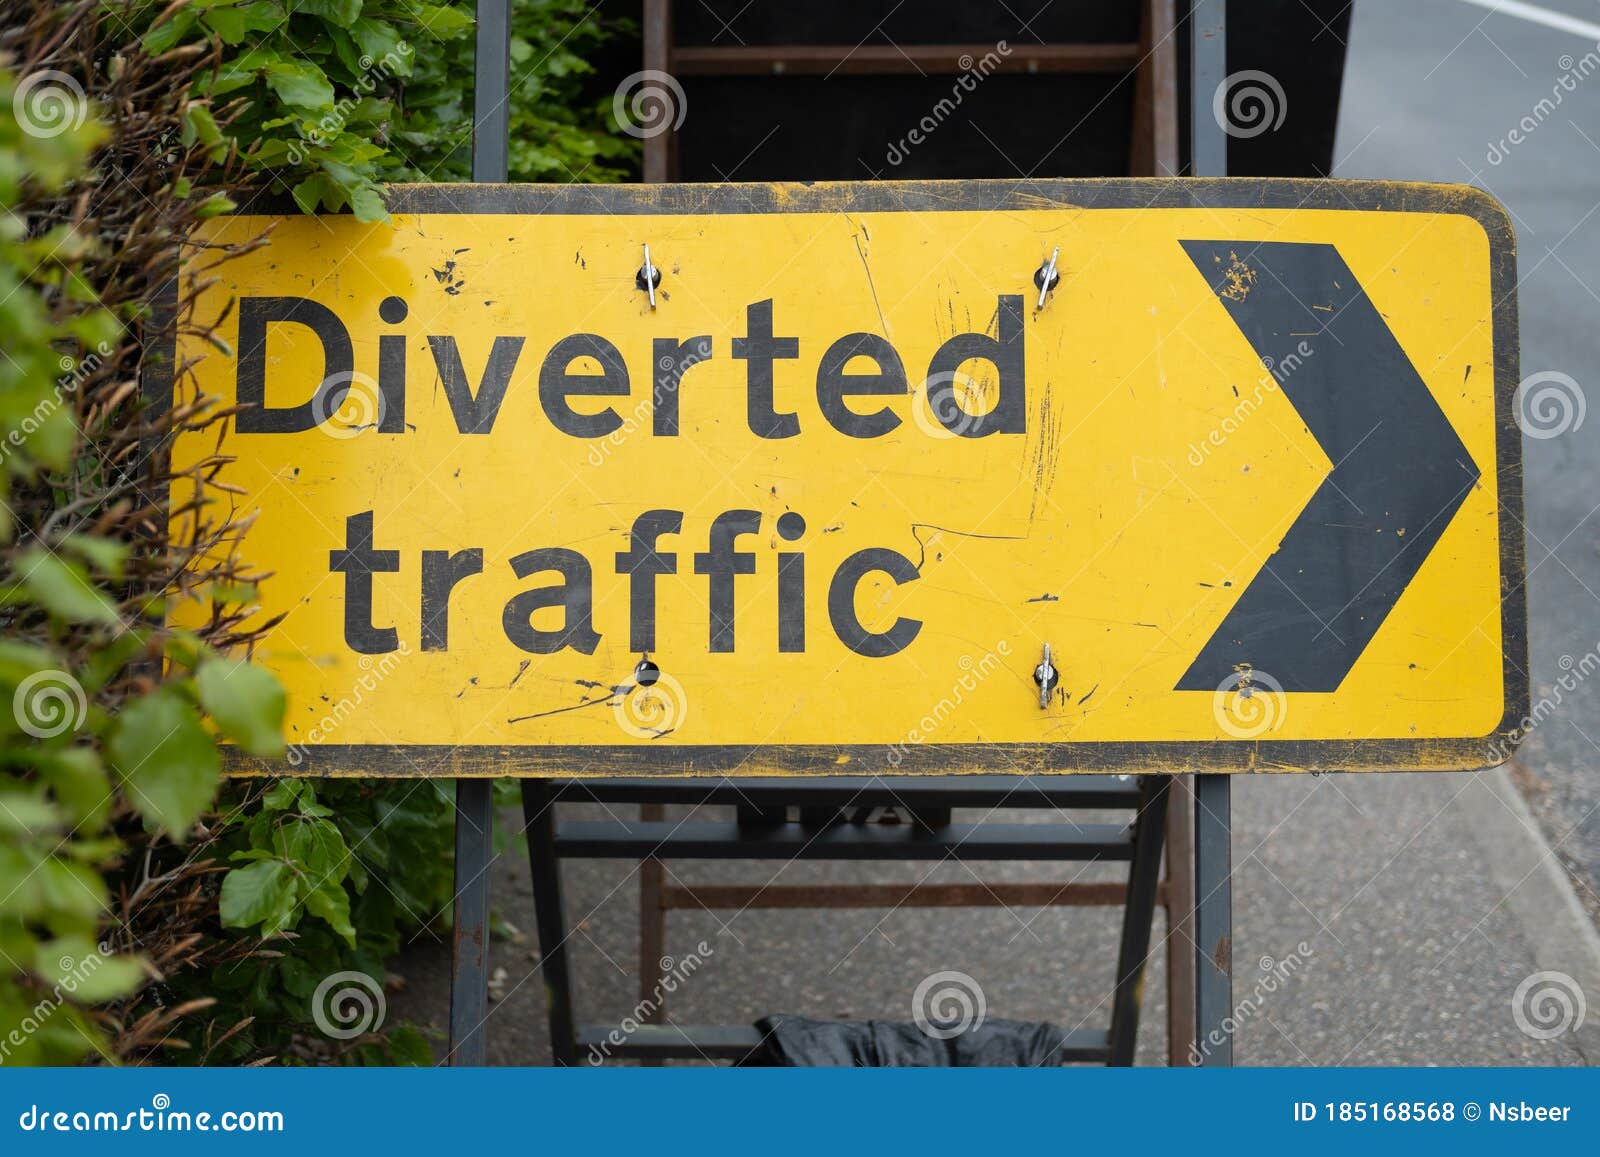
<point x="200" y="125"/>
<point x="215" y="206"/>
<point x="246" y="701"/>
<point x="309" y="805"/>
<point x="116" y="976"/>
<point x="444" y="23"/>
<point x="258" y="894"/>
<point x="234" y="593"/>
<point x="164" y="36"/>
<point x="107" y="662"/>
<point x="312" y="191"/>
<point x="332" y="904"/>
<point x="327" y="857"/>
<point x="79" y="782"/>
<point x="344" y="47"/>
<point x="234" y="74"/>
<point x="22" y="813"/>
<point x="341" y="12"/>
<point x="72" y="889"/>
<point x="281" y="796"/>
<point x="299" y="84"/>
<point x="75" y="966"/>
<point x="102" y="554"/>
<point x="380" y="41"/>
<point x="63" y="588"/>
<point x="18" y="660"/>
<point x="409" y="1048"/>
<point x="167" y="761"/>
<point x="228" y="23"/>
<point x="367" y="203"/>
<point x="250" y="855"/>
<point x="300" y="978"/>
<point x="36" y="427"/>
<point x="185" y="648"/>
<point x="356" y="872"/>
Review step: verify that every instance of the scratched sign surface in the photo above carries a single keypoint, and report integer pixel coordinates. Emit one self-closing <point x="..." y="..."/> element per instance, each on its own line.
<point x="1250" y="472"/>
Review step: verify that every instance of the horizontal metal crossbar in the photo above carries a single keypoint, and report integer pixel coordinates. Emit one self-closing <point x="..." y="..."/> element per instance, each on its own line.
<point x="1019" y="791"/>
<point x="614" y="839"/>
<point x="917" y="59"/>
<point x="997" y="895"/>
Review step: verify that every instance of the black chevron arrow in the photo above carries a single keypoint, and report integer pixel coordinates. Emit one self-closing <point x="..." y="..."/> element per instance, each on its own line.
<point x="1399" y="470"/>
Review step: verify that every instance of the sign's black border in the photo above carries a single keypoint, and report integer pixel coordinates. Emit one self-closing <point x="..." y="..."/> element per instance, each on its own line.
<point x="1155" y="756"/>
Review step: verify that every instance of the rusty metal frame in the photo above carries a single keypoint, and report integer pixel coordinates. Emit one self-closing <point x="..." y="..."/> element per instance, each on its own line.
<point x="834" y="825"/>
<point x="1152" y="60"/>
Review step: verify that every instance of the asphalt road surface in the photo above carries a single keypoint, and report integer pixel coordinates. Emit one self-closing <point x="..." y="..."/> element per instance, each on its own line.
<point x="1419" y="908"/>
<point x="1442" y="90"/>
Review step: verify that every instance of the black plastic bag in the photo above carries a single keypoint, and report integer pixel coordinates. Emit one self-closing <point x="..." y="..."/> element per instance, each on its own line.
<point x="797" y="1041"/>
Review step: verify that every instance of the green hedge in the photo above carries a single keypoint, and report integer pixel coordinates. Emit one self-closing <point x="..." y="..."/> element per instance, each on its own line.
<point x="346" y="94"/>
<point x="210" y="920"/>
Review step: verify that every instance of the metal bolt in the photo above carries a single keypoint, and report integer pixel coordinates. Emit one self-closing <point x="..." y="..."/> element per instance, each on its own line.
<point x="1047" y="278"/>
<point x="648" y="277"/>
<point x="1047" y="677"/>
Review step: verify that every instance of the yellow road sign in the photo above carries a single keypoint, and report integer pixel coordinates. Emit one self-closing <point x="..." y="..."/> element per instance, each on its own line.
<point x="816" y="489"/>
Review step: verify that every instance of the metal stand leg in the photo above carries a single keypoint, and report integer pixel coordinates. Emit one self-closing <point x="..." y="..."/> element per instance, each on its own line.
<point x="652" y="930"/>
<point x="1180" y="922"/>
<point x="1213" y="919"/>
<point x="469" y="958"/>
<point x="1213" y="857"/>
<point x="539" y="814"/>
<point x="469" y="979"/>
<point x="1144" y="874"/>
<point x="1208" y="65"/>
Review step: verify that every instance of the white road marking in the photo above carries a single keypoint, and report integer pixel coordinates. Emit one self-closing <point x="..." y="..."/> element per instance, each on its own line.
<point x="1537" y="15"/>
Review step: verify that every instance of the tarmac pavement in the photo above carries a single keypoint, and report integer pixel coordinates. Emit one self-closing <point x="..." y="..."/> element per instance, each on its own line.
<point x="1413" y="906"/>
<point x="1450" y="90"/>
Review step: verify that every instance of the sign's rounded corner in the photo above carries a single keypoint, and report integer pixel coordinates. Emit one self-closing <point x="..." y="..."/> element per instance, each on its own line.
<point x="1499" y="745"/>
<point x="1491" y="216"/>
